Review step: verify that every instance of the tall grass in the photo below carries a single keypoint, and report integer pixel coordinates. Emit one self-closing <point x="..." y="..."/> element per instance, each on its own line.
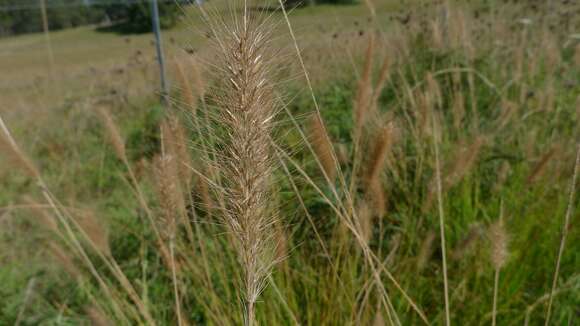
<point x="363" y="200"/>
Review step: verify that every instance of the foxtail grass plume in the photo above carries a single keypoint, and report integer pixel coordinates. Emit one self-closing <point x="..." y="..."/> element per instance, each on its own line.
<point x="247" y="109"/>
<point x="364" y="91"/>
<point x="14" y="154"/>
<point x="383" y="142"/>
<point x="322" y="146"/>
<point x="498" y="238"/>
<point x="185" y="87"/>
<point x="113" y="132"/>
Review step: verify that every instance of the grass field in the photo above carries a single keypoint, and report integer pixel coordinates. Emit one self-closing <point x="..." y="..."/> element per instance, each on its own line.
<point x="410" y="164"/>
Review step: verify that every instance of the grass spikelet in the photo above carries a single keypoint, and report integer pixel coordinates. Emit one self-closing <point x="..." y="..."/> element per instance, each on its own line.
<point x="383" y="77"/>
<point x="322" y="146"/>
<point x="185" y="88"/>
<point x="540" y="167"/>
<point x="175" y="141"/>
<point x="95" y="231"/>
<point x="46" y="220"/>
<point x="467" y="244"/>
<point x="170" y="196"/>
<point x="365" y="222"/>
<point x="464" y="160"/>
<point x="63" y="259"/>
<point x="97" y="316"/>
<point x="14" y="154"/>
<point x="458" y="110"/>
<point x="433" y="90"/>
<point x="202" y="193"/>
<point x="364" y="90"/>
<point x="113" y="133"/>
<point x="247" y="111"/>
<point x="198" y="79"/>
<point x="425" y="251"/>
<point x="383" y="143"/>
<point x="499" y="241"/>
<point x="376" y="196"/>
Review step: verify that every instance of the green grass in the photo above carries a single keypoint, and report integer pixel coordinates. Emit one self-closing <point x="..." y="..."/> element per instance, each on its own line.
<point x="70" y="146"/>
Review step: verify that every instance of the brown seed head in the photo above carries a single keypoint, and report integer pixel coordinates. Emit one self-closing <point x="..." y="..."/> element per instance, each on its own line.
<point x="499" y="244"/>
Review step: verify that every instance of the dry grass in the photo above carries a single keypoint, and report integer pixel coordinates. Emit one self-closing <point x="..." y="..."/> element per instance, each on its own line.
<point x="196" y="206"/>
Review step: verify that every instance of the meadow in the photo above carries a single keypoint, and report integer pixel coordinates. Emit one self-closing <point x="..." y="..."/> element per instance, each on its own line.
<point x="381" y="163"/>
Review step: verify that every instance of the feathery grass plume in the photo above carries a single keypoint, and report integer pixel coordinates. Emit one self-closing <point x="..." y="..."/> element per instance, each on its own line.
<point x="342" y="154"/>
<point x="498" y="238"/>
<point x="13" y="153"/>
<point x="502" y="176"/>
<point x="383" y="142"/>
<point x="64" y="260"/>
<point x="423" y="111"/>
<point x="113" y="132"/>
<point x="508" y="110"/>
<point x="199" y="83"/>
<point x="46" y="220"/>
<point x="433" y="90"/>
<point x="322" y="146"/>
<point x="202" y="193"/>
<point x="247" y="109"/>
<point x="383" y="77"/>
<point x="466" y="244"/>
<point x="425" y="251"/>
<point x="175" y="142"/>
<point x="458" y="110"/>
<point x="464" y="161"/>
<point x="436" y="35"/>
<point x="98" y="317"/>
<point x="172" y="207"/>
<point x="170" y="196"/>
<point x="365" y="221"/>
<point x="540" y="167"/>
<point x="185" y="88"/>
<point x="364" y="90"/>
<point x="95" y="231"/>
<point x="565" y="230"/>
<point x="376" y="196"/>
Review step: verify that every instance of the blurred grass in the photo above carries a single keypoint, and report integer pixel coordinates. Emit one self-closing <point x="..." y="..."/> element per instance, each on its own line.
<point x="69" y="145"/>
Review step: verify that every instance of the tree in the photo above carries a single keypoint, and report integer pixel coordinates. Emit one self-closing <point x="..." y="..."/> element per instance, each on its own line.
<point x="135" y="17"/>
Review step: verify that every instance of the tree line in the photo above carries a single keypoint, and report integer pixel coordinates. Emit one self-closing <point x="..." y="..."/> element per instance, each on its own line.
<point x="133" y="16"/>
<point x="19" y="16"/>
